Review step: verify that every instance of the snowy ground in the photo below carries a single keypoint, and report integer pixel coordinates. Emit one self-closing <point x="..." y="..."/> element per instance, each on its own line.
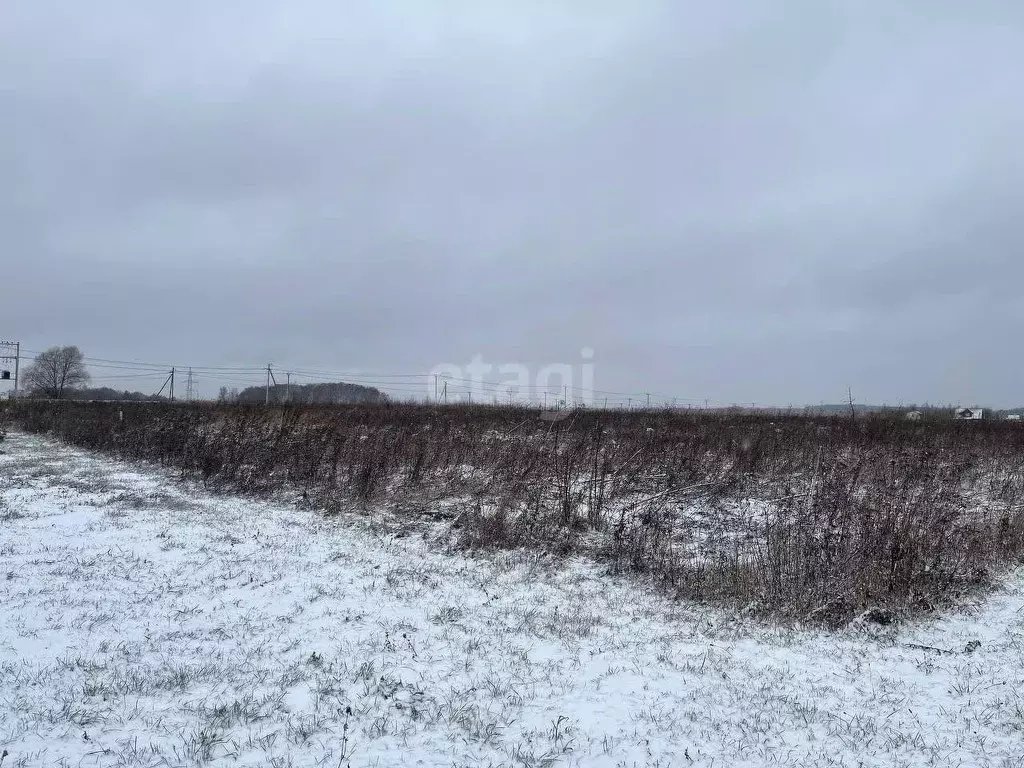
<point x="145" y="622"/>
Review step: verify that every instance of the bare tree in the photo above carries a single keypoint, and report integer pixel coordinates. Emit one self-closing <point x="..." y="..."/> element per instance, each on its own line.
<point x="226" y="395"/>
<point x="57" y="370"/>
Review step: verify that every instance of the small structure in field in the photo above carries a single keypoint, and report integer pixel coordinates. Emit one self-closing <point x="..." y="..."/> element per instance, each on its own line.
<point x="914" y="415"/>
<point x="969" y="414"/>
<point x="1013" y="417"/>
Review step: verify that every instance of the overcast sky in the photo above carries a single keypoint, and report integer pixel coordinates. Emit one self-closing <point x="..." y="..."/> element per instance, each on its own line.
<point x="751" y="201"/>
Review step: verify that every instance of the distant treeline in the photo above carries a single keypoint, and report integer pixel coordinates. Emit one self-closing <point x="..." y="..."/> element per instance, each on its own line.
<point x="338" y="393"/>
<point x="106" y="393"/>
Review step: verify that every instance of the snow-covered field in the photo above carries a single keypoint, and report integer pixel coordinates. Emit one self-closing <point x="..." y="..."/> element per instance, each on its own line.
<point x="145" y="622"/>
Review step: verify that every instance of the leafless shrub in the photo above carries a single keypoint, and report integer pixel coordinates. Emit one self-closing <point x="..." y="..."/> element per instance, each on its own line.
<point x="808" y="517"/>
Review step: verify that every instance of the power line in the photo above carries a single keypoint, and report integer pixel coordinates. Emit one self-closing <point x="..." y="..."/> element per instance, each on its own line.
<point x="108" y="362"/>
<point x="127" y="376"/>
<point x="423" y="383"/>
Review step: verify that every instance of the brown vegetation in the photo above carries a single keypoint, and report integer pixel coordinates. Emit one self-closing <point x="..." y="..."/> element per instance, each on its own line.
<point x="817" y="518"/>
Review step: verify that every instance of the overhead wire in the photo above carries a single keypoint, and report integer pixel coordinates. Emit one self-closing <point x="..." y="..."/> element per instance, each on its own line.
<point x="391" y="382"/>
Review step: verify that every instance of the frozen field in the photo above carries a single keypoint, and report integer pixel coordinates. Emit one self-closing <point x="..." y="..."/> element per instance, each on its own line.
<point x="147" y="623"/>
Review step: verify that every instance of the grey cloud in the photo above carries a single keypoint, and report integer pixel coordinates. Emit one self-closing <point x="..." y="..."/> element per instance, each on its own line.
<point x="743" y="202"/>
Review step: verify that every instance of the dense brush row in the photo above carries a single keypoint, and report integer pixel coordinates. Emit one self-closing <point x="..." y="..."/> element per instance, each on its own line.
<point x="790" y="515"/>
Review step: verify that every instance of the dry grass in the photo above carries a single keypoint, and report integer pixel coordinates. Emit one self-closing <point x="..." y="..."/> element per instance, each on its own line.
<point x="792" y="516"/>
<point x="210" y="629"/>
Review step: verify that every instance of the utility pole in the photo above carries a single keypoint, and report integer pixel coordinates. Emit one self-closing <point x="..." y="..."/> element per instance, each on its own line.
<point x="435" y="388"/>
<point x="190" y="391"/>
<point x="446" y="393"/>
<point x="16" y="357"/>
<point x="270" y="377"/>
<point x="648" y="401"/>
<point x="288" y="388"/>
<point x="168" y="380"/>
